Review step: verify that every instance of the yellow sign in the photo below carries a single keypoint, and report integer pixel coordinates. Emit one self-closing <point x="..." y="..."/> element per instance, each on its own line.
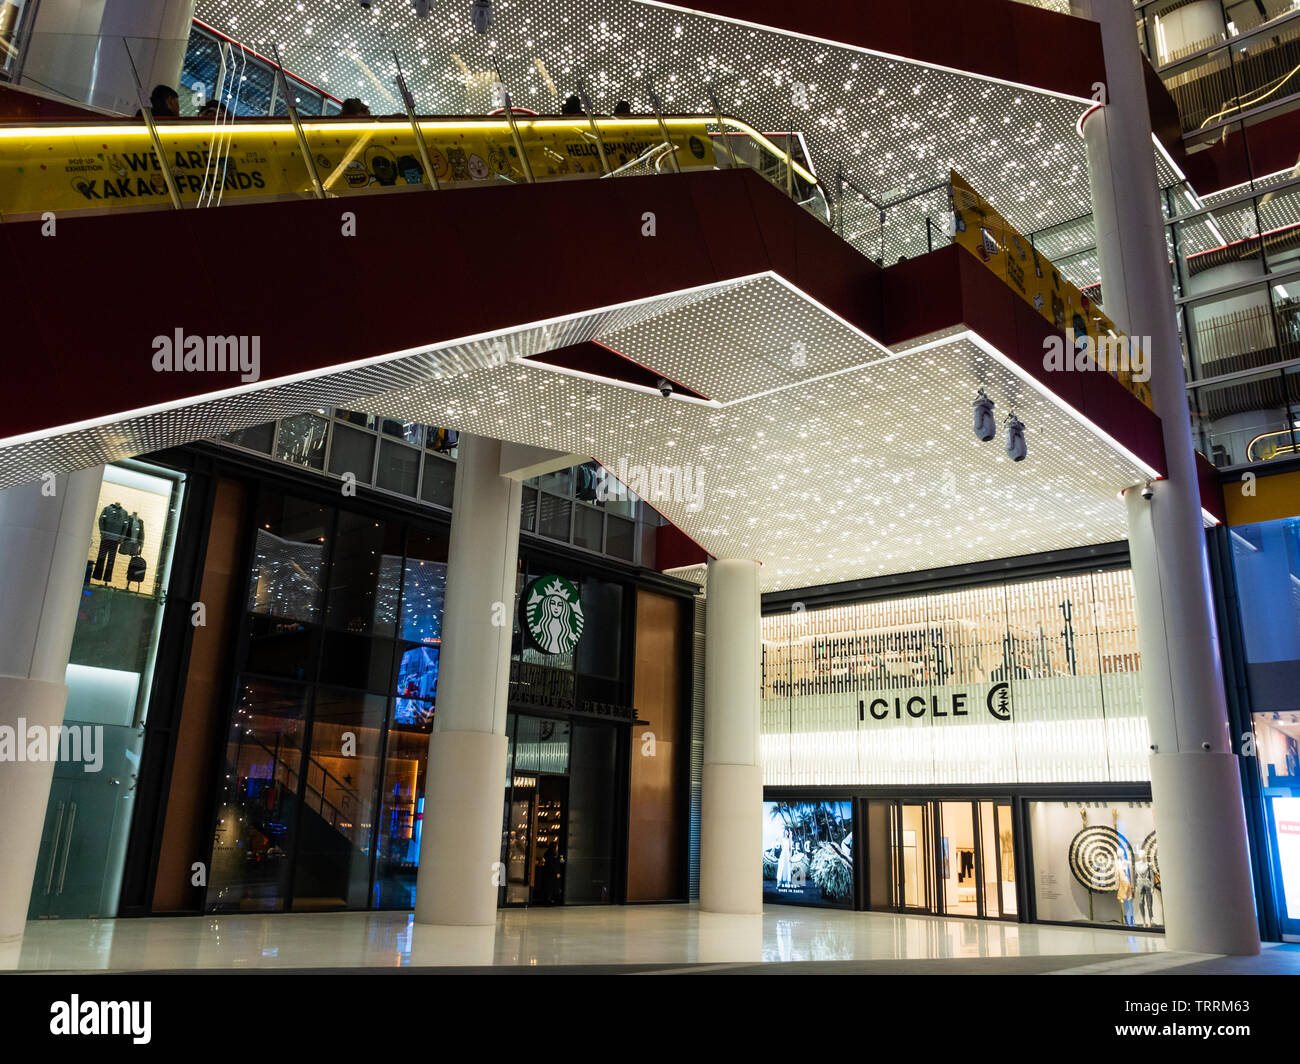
<point x="988" y="236"/>
<point x="114" y="166"/>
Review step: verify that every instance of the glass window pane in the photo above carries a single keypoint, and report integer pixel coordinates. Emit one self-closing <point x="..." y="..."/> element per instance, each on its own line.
<point x="588" y="527"/>
<point x="528" y="509"/>
<point x="258" y="810"/>
<point x="441" y="440"/>
<point x="337" y="818"/>
<point x="600" y="648"/>
<point x="620" y="537"/>
<point x="1246" y="419"/>
<point x="439" y="481"/>
<point x="288" y="558"/>
<point x="403" y="430"/>
<point x="399" y="468"/>
<point x="401" y="812"/>
<point x="352" y="452"/>
<point x="355" y="417"/>
<point x="541" y="745"/>
<point x="1232" y="333"/>
<point x="258" y="438"/>
<point x="365" y="575"/>
<point x="561" y="482"/>
<point x="357" y="661"/>
<point x="553" y="517"/>
<point x="424" y="585"/>
<point x="302" y="441"/>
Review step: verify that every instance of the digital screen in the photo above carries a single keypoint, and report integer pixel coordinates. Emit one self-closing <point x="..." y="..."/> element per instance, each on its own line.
<point x="1286" y="815"/>
<point x="808" y="853"/>
<point x="417" y="686"/>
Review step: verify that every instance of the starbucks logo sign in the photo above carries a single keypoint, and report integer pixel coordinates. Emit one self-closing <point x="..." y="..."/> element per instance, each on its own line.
<point x="552" y="614"/>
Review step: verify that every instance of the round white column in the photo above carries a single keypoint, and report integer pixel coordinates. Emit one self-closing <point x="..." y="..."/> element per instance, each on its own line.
<point x="44" y="541"/>
<point x="460" y="848"/>
<point x="1195" y="786"/>
<point x="76" y="49"/>
<point x="731" y="798"/>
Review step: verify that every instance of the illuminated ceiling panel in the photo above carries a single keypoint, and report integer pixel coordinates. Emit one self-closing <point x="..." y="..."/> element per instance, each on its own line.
<point x="875" y="472"/>
<point x="887" y="127"/>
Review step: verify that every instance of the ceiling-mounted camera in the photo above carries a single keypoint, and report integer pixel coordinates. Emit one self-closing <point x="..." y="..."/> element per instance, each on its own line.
<point x="665" y="387"/>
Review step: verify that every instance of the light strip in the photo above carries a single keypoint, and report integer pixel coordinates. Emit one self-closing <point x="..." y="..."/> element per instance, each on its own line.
<point x="374" y="360"/>
<point x="908" y="60"/>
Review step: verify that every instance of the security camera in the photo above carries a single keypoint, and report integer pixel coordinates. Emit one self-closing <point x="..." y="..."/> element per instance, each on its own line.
<point x="665" y="387"/>
<point x="1154" y="748"/>
<point x="985" y="425"/>
<point x="364" y="4"/>
<point x="1206" y="746"/>
<point x="422" y="8"/>
<point x="1148" y="491"/>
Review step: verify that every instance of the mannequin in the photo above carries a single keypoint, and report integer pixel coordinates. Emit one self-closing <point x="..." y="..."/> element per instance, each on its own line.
<point x="1144" y="886"/>
<point x="1124" y="888"/>
<point x="114" y="523"/>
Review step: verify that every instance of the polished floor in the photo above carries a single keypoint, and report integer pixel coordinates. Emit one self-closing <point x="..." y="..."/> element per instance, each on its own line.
<point x="656" y="936"/>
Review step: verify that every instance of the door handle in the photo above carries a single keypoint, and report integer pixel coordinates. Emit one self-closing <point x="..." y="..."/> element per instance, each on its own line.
<point x="67" y="848"/>
<point x="54" y="849"/>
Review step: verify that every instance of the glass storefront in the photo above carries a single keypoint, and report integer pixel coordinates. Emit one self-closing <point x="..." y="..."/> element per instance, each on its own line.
<point x="324" y="780"/>
<point x="972" y="707"/>
<point x="109" y="678"/>
<point x="1266" y="562"/>
<point x="326" y="752"/>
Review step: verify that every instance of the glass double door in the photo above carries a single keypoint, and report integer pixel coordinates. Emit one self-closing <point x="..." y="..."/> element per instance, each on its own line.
<point x="535" y="841"/>
<point x="950" y="857"/>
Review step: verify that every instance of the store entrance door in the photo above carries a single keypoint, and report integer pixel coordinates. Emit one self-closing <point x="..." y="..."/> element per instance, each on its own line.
<point x="946" y="857"/>
<point x="535" y="845"/>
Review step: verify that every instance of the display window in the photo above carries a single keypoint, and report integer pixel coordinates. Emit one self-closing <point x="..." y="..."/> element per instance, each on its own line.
<point x="1266" y="562"/>
<point x="110" y="676"/>
<point x="1096" y="862"/>
<point x="808" y="853"/>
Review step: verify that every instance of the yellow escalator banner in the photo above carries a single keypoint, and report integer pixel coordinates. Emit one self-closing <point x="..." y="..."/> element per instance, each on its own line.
<point x="114" y="166"/>
<point x="982" y="231"/>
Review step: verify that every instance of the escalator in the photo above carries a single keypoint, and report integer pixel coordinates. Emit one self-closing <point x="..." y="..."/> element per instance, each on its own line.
<point x="114" y="165"/>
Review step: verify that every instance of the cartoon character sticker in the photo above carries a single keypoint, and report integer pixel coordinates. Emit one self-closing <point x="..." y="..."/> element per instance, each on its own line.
<point x="459" y="164"/>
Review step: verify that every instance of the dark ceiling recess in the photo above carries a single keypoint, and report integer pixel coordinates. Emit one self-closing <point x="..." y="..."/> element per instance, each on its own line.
<point x="602" y="361"/>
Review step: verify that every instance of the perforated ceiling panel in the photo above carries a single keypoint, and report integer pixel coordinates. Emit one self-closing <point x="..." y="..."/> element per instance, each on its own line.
<point x="139" y="432"/>
<point x="895" y="127"/>
<point x="874" y="472"/>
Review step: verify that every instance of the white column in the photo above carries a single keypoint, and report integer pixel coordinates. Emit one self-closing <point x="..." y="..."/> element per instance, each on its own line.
<point x="44" y="541"/>
<point x="1195" y="786"/>
<point x="76" y="48"/>
<point x="731" y="799"/>
<point x="465" y="782"/>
